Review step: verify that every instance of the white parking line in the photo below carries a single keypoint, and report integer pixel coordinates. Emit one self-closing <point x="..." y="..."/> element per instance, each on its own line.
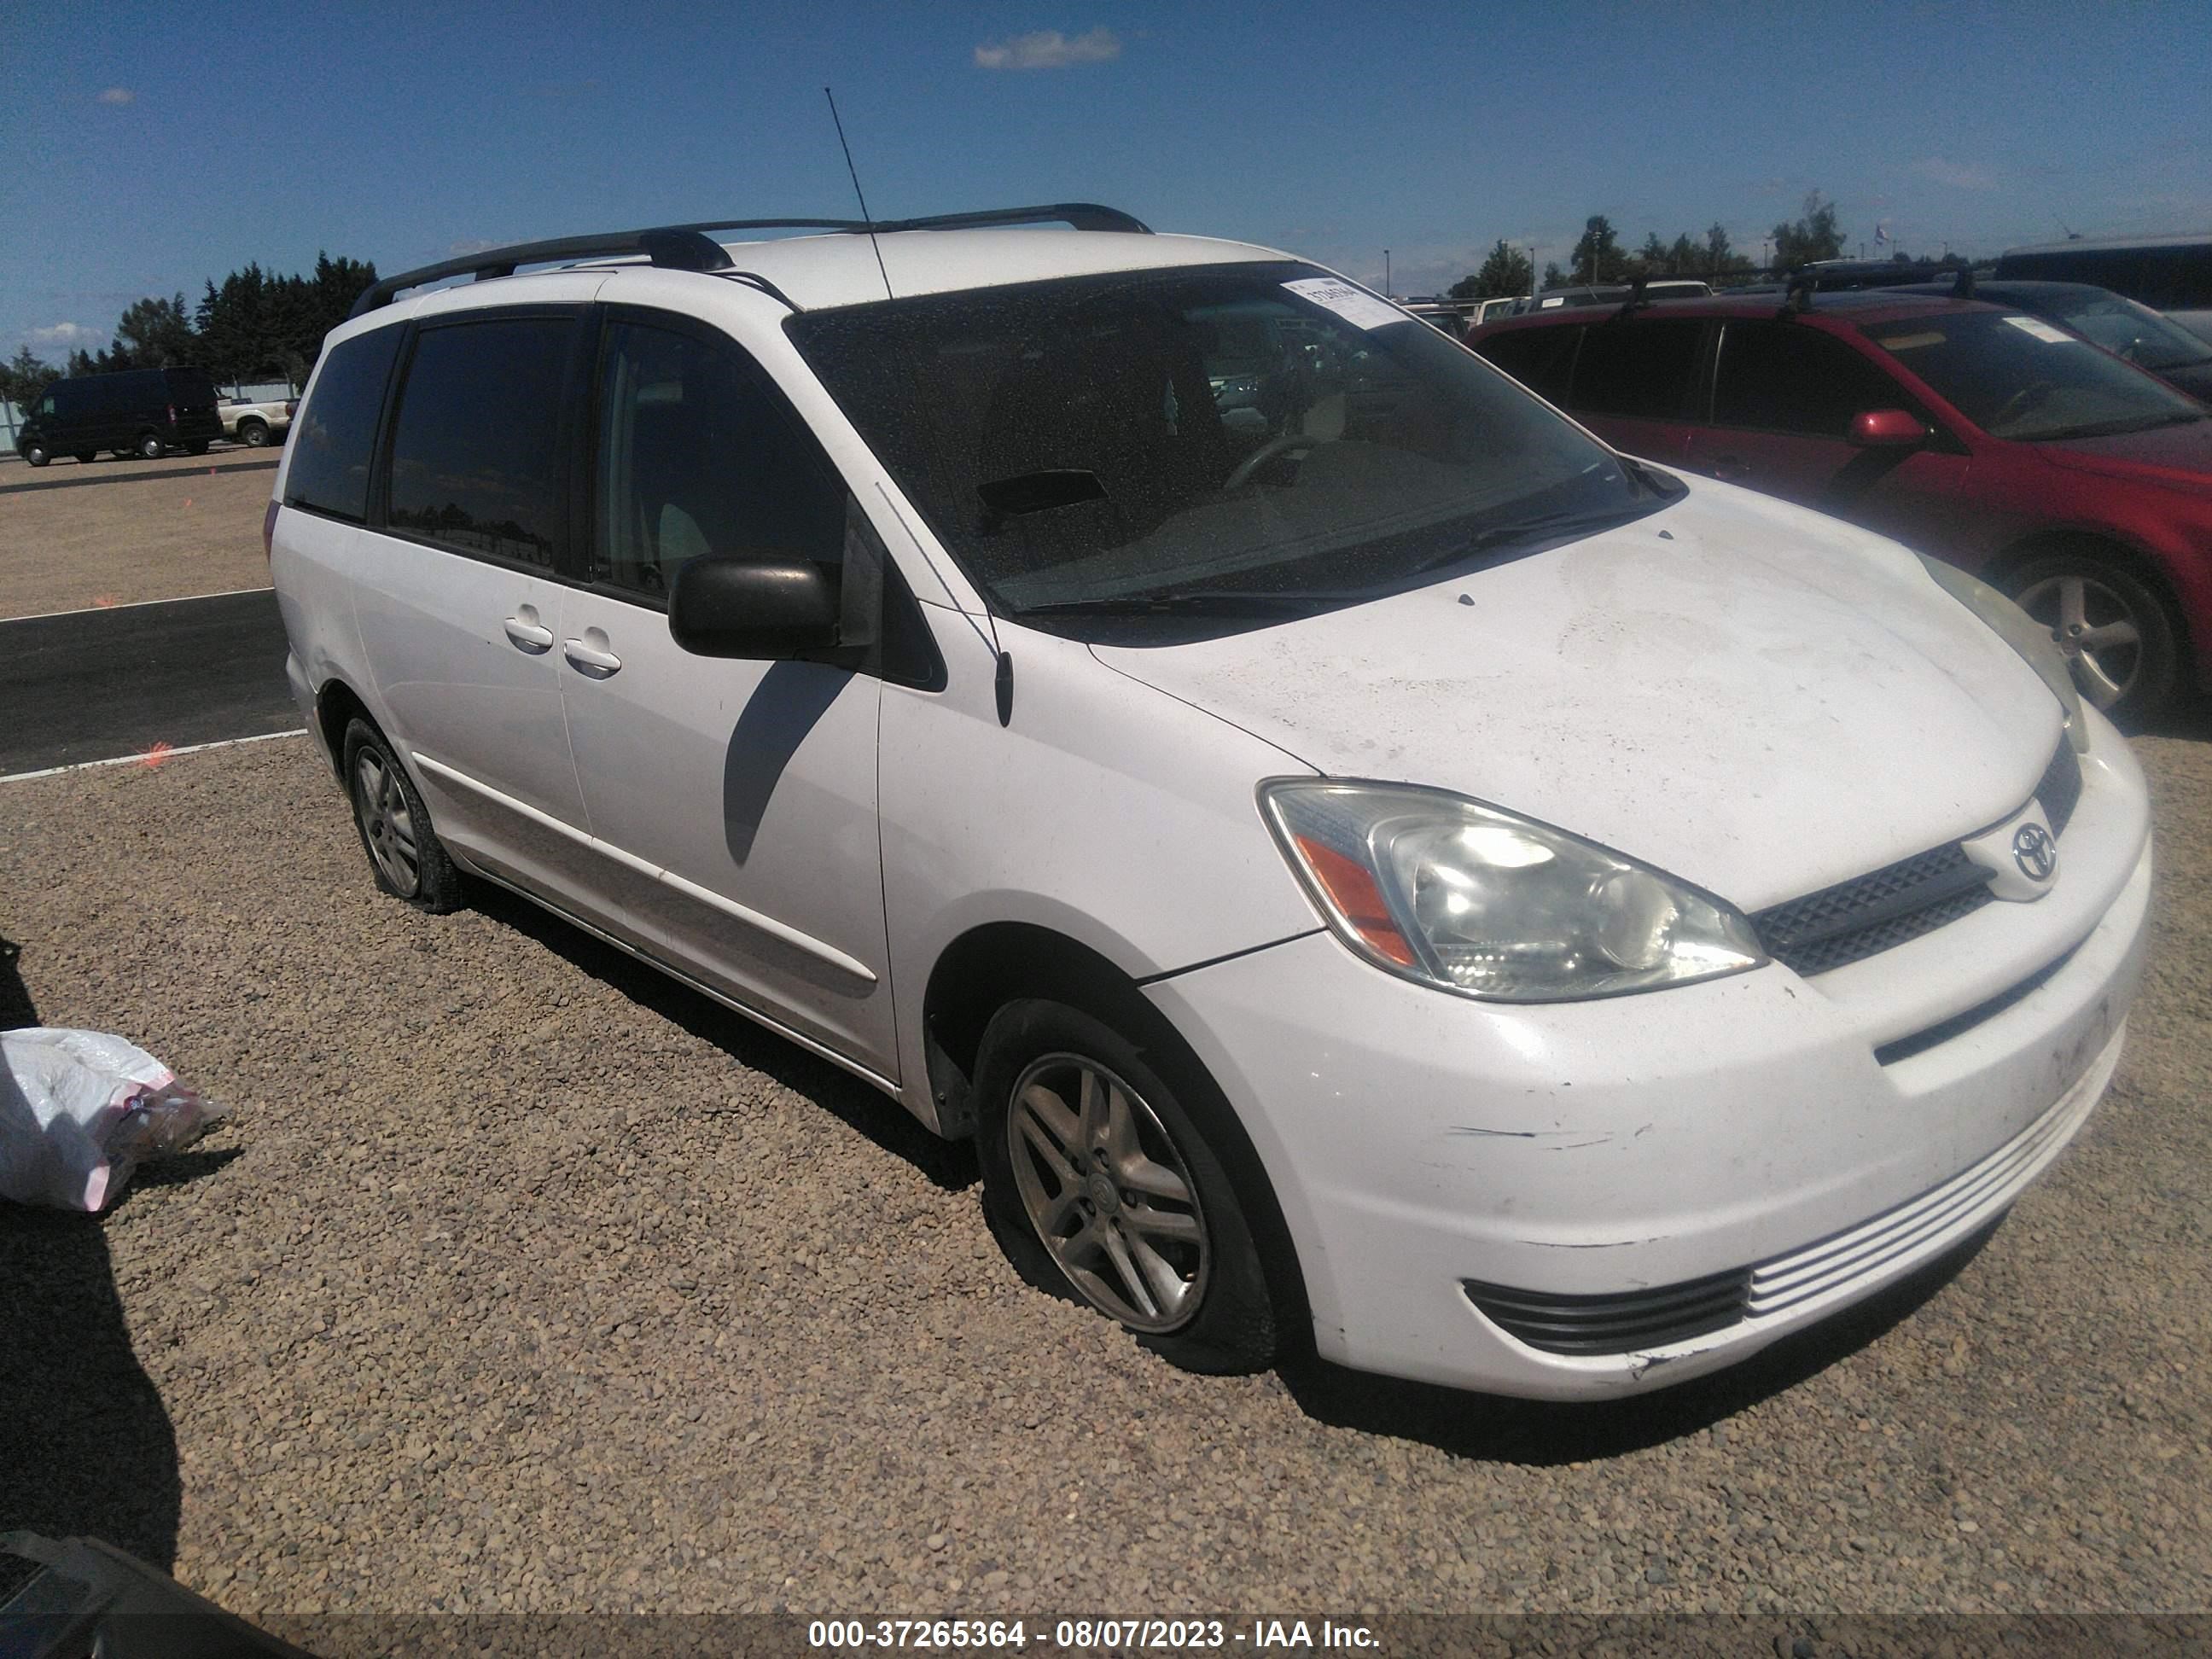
<point x="86" y="611"/>
<point x="149" y="756"/>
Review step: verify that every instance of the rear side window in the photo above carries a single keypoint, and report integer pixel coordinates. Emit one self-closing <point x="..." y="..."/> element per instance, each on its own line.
<point x="1637" y="367"/>
<point x="1542" y="359"/>
<point x="336" y="434"/>
<point x="696" y="455"/>
<point x="1783" y="377"/>
<point x="476" y="447"/>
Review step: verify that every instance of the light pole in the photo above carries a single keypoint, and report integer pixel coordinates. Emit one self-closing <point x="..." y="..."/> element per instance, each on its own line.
<point x="1386" y="273"/>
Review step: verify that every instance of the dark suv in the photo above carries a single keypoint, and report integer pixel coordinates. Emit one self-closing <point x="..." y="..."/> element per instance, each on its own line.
<point x="1988" y="437"/>
<point x="143" y="411"/>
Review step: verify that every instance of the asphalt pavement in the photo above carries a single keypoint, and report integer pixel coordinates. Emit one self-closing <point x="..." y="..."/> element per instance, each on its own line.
<point x="98" y="684"/>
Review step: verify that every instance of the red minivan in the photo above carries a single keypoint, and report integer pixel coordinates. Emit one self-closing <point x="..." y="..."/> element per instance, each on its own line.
<point x="1988" y="437"/>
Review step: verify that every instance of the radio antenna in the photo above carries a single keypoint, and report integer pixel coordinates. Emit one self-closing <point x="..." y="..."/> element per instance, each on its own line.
<point x="856" y="192"/>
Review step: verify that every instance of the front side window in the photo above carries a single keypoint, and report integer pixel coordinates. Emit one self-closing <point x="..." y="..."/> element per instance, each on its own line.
<point x="695" y="455"/>
<point x="1219" y="438"/>
<point x="332" y="439"/>
<point x="476" y="447"/>
<point x="1785" y="377"/>
<point x="2021" y="378"/>
<point x="1637" y="367"/>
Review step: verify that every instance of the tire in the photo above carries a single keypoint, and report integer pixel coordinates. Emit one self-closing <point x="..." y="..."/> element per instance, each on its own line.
<point x="2085" y="597"/>
<point x="404" y="852"/>
<point x="254" y="435"/>
<point x="87" y="457"/>
<point x="1030" y="1075"/>
<point x="37" y="454"/>
<point x="149" y="446"/>
<point x="198" y="448"/>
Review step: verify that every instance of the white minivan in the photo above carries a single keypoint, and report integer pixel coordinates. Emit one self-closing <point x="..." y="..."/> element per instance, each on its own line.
<point x="1385" y="872"/>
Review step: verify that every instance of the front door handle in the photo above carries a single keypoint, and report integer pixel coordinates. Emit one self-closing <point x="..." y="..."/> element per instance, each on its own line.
<point x="524" y="630"/>
<point x="590" y="655"/>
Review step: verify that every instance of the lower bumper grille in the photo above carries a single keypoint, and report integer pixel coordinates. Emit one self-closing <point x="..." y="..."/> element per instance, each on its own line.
<point x="1615" y="1323"/>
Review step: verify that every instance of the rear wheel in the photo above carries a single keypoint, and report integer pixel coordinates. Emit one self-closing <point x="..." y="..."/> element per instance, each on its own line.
<point x="404" y="849"/>
<point x="254" y="435"/>
<point x="1101" y="1183"/>
<point x="87" y="457"/>
<point x="150" y="446"/>
<point x="2116" y="630"/>
<point x="199" y="446"/>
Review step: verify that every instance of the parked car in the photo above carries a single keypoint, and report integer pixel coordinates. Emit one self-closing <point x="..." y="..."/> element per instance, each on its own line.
<point x="1404" y="879"/>
<point x="257" y="423"/>
<point x="2079" y="485"/>
<point x="1613" y="293"/>
<point x="146" y="413"/>
<point x="2171" y="275"/>
<point x="2133" y="333"/>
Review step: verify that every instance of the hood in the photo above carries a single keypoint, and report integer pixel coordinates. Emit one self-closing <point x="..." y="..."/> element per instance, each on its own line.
<point x="1751" y="696"/>
<point x="2178" y="456"/>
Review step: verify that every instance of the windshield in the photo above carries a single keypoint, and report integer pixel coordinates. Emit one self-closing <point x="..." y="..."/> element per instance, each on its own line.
<point x="2019" y="376"/>
<point x="1252" y="432"/>
<point x="2133" y="333"/>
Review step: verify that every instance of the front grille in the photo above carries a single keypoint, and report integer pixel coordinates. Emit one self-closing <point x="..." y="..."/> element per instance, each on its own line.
<point x="1856" y="919"/>
<point x="2060" y="786"/>
<point x="1862" y="917"/>
<point x="1615" y="1323"/>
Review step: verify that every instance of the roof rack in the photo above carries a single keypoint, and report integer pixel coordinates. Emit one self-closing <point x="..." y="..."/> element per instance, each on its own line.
<point x="689" y="248"/>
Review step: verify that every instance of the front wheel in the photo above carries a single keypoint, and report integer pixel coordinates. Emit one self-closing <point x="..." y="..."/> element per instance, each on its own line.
<point x="1100" y="1182"/>
<point x="149" y="446"/>
<point x="37" y="454"/>
<point x="403" y="850"/>
<point x="2116" y="630"/>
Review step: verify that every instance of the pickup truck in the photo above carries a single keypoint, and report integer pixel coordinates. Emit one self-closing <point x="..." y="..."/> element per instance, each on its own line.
<point x="256" y="424"/>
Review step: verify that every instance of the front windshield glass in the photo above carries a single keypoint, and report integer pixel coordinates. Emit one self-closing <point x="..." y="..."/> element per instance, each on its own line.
<point x="1252" y="433"/>
<point x="2020" y="377"/>
<point x="2133" y="333"/>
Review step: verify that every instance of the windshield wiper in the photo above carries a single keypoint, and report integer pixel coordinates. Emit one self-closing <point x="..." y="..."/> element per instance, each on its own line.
<point x="2114" y="429"/>
<point x="1222" y="601"/>
<point x="1498" y="538"/>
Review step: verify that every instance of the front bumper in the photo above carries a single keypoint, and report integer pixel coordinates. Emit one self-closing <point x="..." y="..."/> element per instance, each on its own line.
<point x="1417" y="1142"/>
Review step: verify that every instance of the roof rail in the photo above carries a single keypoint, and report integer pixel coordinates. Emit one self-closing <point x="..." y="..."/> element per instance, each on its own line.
<point x="689" y="248"/>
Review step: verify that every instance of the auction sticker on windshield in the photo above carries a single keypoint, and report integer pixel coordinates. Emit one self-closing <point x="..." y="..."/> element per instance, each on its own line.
<point x="1361" y="310"/>
<point x="2041" y="330"/>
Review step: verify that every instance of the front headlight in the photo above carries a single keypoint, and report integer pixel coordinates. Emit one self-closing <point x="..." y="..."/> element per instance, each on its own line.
<point x="2023" y="634"/>
<point x="1465" y="897"/>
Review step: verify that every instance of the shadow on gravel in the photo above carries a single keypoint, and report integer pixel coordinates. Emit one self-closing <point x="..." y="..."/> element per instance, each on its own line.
<point x="88" y="1449"/>
<point x="950" y="1166"/>
<point x="1545" y="1433"/>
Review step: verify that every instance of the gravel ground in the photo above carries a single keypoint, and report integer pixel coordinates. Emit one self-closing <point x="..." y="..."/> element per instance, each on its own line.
<point x="523" y="1279"/>
<point x="146" y="530"/>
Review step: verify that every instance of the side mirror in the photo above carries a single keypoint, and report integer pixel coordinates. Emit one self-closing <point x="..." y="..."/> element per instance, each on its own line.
<point x="762" y="609"/>
<point x="1887" y="428"/>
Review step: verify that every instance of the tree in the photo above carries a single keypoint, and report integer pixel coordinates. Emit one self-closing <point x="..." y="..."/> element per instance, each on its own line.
<point x="155" y="334"/>
<point x="25" y="380"/>
<point x="1505" y="272"/>
<point x="1816" y="234"/>
<point x="1598" y="258"/>
<point x="1553" y="277"/>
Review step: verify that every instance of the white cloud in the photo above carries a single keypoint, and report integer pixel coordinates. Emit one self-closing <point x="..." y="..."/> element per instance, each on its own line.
<point x="65" y="334"/>
<point x="1956" y="175"/>
<point x="1048" y="49"/>
<point x="119" y="96"/>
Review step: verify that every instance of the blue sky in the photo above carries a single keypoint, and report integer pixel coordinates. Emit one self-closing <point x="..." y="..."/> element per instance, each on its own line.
<point x="163" y="145"/>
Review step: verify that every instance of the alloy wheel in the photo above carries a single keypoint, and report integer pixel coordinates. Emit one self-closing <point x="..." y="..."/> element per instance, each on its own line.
<point x="1108" y="1193"/>
<point x="2095" y="627"/>
<point x="386" y="822"/>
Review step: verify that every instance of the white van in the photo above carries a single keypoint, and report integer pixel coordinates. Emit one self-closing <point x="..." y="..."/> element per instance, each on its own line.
<point x="1388" y="872"/>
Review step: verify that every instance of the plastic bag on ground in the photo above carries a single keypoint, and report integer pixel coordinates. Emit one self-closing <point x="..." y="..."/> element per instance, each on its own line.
<point x="80" y="1110"/>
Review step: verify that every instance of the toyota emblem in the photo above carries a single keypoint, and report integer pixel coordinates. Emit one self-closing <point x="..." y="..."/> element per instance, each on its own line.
<point x="2033" y="851"/>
